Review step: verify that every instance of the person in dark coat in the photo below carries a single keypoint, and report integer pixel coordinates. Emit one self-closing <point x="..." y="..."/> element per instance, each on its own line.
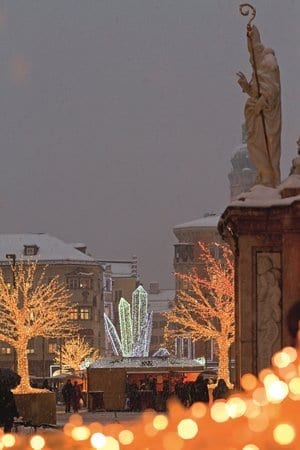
<point x="221" y="390"/>
<point x="67" y="393"/>
<point x="200" y="391"/>
<point x="8" y="408"/>
<point x="76" y="397"/>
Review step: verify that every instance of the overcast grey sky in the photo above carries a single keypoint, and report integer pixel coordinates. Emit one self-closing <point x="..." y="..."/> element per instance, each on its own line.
<point x="118" y="118"/>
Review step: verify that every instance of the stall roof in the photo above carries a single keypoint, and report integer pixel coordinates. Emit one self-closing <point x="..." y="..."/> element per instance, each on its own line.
<point x="146" y="363"/>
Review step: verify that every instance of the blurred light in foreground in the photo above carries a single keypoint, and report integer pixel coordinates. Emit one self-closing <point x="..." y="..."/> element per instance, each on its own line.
<point x="8" y="440"/>
<point x="284" y="434"/>
<point x="219" y="412"/>
<point x="187" y="429"/>
<point x="37" y="442"/>
<point x="98" y="440"/>
<point x="160" y="422"/>
<point x="248" y="382"/>
<point x="126" y="437"/>
<point x="80" y="433"/>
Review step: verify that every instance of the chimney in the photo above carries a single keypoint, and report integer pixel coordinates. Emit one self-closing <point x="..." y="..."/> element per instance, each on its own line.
<point x="154" y="287"/>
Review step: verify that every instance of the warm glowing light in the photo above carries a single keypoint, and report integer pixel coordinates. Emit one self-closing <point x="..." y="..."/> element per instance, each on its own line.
<point x="219" y="412"/>
<point x="284" y="434"/>
<point x="149" y="430"/>
<point x="111" y="444"/>
<point x="98" y="440"/>
<point x="37" y="442"/>
<point x="277" y="391"/>
<point x="74" y="352"/>
<point x="8" y="440"/>
<point x="249" y="382"/>
<point x="263" y="373"/>
<point x="281" y="359"/>
<point x="250" y="447"/>
<point x="294" y="386"/>
<point x="126" y="437"/>
<point x="236" y="407"/>
<point x="217" y="312"/>
<point x="187" y="429"/>
<point x="292" y="352"/>
<point x="24" y="315"/>
<point x="259" y="396"/>
<point x="80" y="433"/>
<point x="198" y="410"/>
<point x="160" y="422"/>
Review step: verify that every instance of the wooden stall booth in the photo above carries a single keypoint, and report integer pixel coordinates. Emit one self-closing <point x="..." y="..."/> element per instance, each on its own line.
<point x="116" y="384"/>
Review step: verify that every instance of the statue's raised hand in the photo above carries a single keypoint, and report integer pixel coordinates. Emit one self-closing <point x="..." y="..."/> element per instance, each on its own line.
<point x="243" y="82"/>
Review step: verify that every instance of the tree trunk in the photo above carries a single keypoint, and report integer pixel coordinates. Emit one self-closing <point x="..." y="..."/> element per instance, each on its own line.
<point x="223" y="357"/>
<point x="22" y="368"/>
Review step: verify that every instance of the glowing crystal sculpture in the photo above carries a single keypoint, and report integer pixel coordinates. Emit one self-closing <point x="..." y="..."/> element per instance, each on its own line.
<point x="135" y="326"/>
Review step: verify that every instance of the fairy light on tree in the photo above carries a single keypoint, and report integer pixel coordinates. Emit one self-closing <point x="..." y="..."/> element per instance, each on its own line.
<point x="75" y="352"/>
<point x="33" y="307"/>
<point x="205" y="308"/>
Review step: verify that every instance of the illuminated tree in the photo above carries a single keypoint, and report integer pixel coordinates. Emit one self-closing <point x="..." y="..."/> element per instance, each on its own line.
<point x="204" y="308"/>
<point x="74" y="352"/>
<point x="32" y="306"/>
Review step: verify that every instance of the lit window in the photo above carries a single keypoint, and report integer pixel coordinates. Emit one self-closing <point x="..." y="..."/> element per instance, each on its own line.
<point x="84" y="314"/>
<point x="74" y="314"/>
<point x="30" y="350"/>
<point x="86" y="283"/>
<point x="6" y="350"/>
<point x="52" y="347"/>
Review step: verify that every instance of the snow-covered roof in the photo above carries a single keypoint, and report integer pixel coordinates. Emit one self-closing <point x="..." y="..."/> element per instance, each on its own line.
<point x="49" y="248"/>
<point x="119" y="268"/>
<point x="134" y="363"/>
<point x="209" y="221"/>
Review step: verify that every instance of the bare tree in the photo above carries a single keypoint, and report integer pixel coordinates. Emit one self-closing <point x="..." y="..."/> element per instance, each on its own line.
<point x="74" y="352"/>
<point x="205" y="308"/>
<point x="32" y="306"/>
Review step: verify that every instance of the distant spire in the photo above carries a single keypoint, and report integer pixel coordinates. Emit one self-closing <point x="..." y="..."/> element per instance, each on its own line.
<point x="244" y="134"/>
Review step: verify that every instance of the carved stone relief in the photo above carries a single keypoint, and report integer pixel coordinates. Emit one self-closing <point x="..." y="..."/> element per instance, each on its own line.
<point x="268" y="330"/>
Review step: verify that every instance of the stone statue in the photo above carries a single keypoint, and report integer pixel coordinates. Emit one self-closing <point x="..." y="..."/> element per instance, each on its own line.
<point x="263" y="110"/>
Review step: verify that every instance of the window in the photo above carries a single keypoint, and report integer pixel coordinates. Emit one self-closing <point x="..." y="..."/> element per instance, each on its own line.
<point x="74" y="314"/>
<point x="30" y="250"/>
<point x="118" y="295"/>
<point x="6" y="350"/>
<point x="30" y="350"/>
<point x="52" y="347"/>
<point x="84" y="314"/>
<point x="86" y="283"/>
<point x="79" y="283"/>
<point x="73" y="283"/>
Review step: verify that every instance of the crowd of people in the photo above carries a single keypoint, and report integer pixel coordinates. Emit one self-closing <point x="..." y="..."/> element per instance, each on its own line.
<point x="147" y="394"/>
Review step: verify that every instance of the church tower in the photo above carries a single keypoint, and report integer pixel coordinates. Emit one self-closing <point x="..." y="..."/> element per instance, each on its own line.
<point x="242" y="175"/>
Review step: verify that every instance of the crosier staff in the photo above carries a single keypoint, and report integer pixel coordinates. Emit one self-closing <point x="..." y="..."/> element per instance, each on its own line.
<point x="244" y="10"/>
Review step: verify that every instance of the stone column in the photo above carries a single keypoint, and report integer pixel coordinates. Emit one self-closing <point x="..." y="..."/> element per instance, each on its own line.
<point x="266" y="244"/>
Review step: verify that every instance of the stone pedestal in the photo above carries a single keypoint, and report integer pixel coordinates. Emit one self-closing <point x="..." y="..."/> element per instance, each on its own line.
<point x="266" y="244"/>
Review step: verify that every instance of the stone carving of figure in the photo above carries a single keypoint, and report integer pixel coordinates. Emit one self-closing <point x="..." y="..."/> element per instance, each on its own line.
<point x="263" y="111"/>
<point x="268" y="309"/>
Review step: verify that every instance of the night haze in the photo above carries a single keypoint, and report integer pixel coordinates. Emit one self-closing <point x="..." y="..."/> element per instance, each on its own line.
<point x="119" y="117"/>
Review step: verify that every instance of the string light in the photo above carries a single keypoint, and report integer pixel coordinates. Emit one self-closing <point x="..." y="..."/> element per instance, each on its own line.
<point x="32" y="307"/>
<point x="205" y="309"/>
<point x="74" y="352"/>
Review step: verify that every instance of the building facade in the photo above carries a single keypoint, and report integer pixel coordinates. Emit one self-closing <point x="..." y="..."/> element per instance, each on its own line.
<point x="120" y="279"/>
<point x="83" y="277"/>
